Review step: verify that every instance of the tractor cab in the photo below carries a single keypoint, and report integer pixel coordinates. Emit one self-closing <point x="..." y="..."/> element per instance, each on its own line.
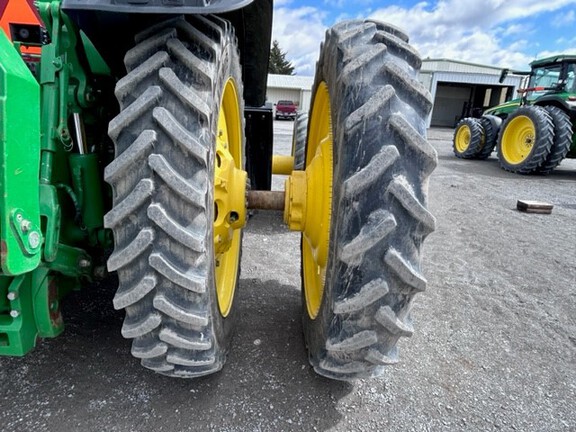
<point x="551" y="76"/>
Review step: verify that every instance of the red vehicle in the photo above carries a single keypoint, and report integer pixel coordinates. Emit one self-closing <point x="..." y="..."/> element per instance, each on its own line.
<point x="286" y="109"/>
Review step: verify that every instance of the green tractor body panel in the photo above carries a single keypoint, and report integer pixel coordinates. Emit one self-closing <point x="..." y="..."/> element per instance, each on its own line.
<point x="30" y="309"/>
<point x="56" y="100"/>
<point x="21" y="238"/>
<point x="52" y="199"/>
<point x="503" y="110"/>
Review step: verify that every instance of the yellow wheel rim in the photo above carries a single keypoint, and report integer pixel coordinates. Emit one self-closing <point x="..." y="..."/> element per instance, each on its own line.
<point x="462" y="140"/>
<point x="316" y="233"/>
<point x="229" y="197"/>
<point x="518" y="140"/>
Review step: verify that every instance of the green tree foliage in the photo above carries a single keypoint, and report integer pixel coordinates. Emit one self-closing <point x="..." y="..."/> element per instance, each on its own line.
<point x="278" y="63"/>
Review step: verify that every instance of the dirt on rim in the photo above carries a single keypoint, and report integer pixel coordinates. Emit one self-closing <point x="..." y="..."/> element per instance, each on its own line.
<point x="494" y="347"/>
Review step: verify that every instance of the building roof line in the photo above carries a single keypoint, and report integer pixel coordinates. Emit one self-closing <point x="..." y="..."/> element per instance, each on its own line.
<point x="446" y="60"/>
<point x="290" y="81"/>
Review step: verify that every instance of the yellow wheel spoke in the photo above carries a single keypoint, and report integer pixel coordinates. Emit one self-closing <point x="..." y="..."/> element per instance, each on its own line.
<point x="229" y="197"/>
<point x="518" y="140"/>
<point x="462" y="140"/>
<point x="318" y="213"/>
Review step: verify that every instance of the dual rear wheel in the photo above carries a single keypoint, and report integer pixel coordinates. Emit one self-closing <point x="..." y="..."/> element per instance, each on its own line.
<point x="533" y="139"/>
<point x="475" y="138"/>
<point x="179" y="196"/>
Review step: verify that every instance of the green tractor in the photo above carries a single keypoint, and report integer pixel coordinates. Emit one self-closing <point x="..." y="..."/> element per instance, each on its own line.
<point x="533" y="133"/>
<point x="141" y="127"/>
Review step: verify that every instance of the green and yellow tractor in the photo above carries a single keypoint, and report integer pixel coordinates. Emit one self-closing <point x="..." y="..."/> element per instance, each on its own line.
<point x="534" y="133"/>
<point x="135" y="138"/>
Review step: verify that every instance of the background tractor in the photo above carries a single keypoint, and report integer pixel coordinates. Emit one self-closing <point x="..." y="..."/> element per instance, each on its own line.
<point x="141" y="127"/>
<point x="533" y="133"/>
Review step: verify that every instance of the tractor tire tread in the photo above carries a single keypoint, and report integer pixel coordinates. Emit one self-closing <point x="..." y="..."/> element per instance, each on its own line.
<point x="490" y="139"/>
<point x="299" y="140"/>
<point x="562" y="139"/>
<point x="544" y="140"/>
<point x="476" y="138"/>
<point x="382" y="163"/>
<point x="161" y="193"/>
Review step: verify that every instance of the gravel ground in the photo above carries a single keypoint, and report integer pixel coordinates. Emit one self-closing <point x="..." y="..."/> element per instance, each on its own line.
<point x="494" y="348"/>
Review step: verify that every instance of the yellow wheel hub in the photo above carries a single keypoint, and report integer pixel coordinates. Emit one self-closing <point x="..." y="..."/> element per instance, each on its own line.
<point x="518" y="140"/>
<point x="462" y="140"/>
<point x="308" y="206"/>
<point x="229" y="197"/>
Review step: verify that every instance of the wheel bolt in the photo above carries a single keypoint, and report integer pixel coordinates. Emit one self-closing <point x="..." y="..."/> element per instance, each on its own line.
<point x="34" y="240"/>
<point x="25" y="225"/>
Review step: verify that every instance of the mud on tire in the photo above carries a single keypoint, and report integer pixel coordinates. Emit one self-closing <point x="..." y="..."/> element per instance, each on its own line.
<point x="381" y="165"/>
<point x="163" y="193"/>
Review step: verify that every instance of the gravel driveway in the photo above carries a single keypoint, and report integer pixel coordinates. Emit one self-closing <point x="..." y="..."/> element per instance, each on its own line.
<point x="494" y="348"/>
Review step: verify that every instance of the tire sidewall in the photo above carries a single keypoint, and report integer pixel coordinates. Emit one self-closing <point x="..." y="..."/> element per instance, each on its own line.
<point x="229" y="67"/>
<point x="316" y="330"/>
<point x="477" y="138"/>
<point x="544" y="134"/>
<point x="367" y="98"/>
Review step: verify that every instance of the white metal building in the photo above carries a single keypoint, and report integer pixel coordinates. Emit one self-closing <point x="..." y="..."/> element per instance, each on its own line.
<point x="290" y="87"/>
<point x="461" y="89"/>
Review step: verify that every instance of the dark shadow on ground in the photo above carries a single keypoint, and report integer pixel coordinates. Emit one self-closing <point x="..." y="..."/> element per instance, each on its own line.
<point x="87" y="380"/>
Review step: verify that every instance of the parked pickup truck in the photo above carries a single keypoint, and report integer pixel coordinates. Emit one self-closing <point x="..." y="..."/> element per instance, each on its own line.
<point x="285" y="109"/>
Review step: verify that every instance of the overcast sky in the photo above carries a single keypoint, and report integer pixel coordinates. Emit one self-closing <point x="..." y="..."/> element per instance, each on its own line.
<point x="507" y="33"/>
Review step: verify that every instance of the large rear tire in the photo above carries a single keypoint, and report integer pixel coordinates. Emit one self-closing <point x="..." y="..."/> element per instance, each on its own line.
<point x="490" y="133"/>
<point x="367" y="152"/>
<point x="178" y="139"/>
<point x="525" y="140"/>
<point x="562" y="139"/>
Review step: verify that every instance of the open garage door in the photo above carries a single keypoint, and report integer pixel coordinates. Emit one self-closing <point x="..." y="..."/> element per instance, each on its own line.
<point x="455" y="101"/>
<point x="449" y="104"/>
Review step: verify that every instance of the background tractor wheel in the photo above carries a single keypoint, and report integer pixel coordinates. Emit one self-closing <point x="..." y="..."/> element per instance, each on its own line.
<point x="178" y="166"/>
<point x="468" y="138"/>
<point x="525" y="139"/>
<point x="367" y="164"/>
<point x="490" y="132"/>
<point x="299" y="140"/>
<point x="562" y="139"/>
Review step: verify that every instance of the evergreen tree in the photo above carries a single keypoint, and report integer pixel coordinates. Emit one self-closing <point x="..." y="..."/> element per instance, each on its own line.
<point x="278" y="63"/>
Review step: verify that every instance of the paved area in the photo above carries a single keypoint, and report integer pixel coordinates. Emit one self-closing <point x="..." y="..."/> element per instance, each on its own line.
<point x="494" y="348"/>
